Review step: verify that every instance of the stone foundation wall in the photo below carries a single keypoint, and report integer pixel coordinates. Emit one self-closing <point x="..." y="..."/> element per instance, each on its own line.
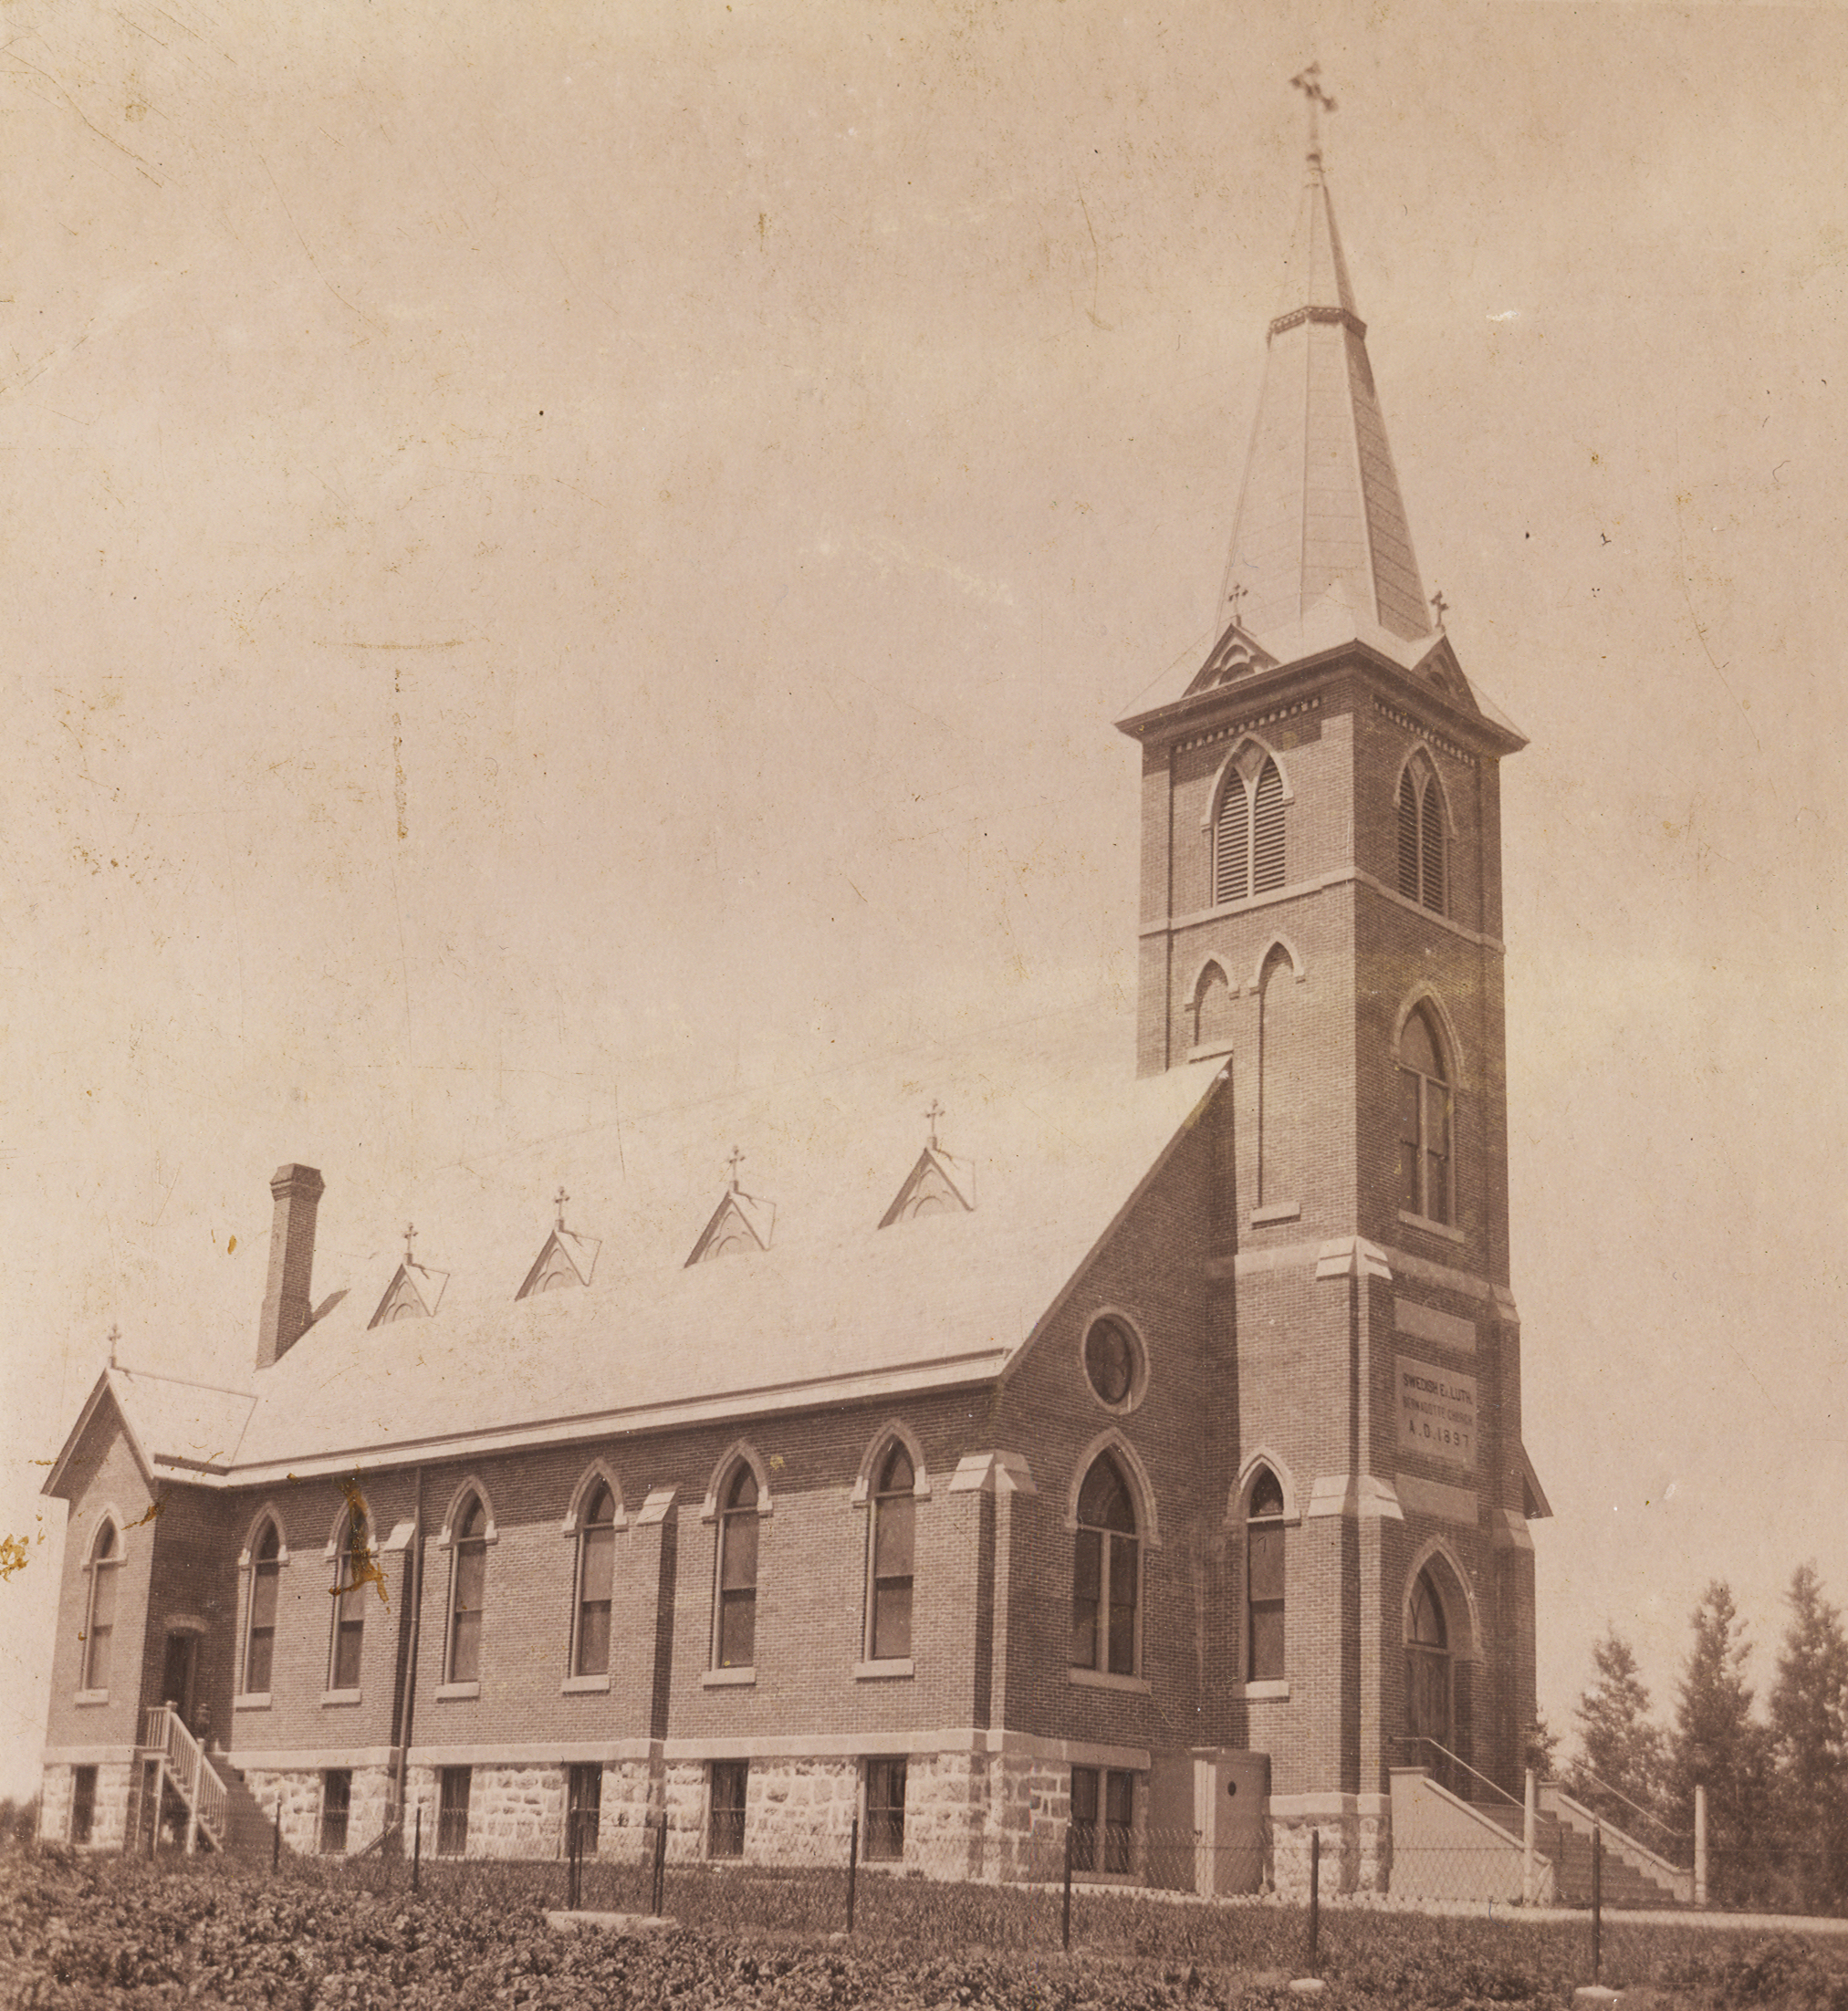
<point x="1356" y="1833"/>
<point x="108" y="1827"/>
<point x="629" y="1810"/>
<point x="299" y="1791"/>
<point x="513" y="1811"/>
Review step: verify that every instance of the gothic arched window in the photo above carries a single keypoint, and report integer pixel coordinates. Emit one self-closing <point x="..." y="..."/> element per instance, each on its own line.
<point x="1105" y="1573"/>
<point x="354" y="1573"/>
<point x="736" y="1630"/>
<point x="596" y="1582"/>
<point x="467" y="1591"/>
<point x="1264" y="1578"/>
<point x="1421" y="837"/>
<point x="259" y="1641"/>
<point x="105" y="1567"/>
<point x="1426" y="1184"/>
<point x="888" y="1591"/>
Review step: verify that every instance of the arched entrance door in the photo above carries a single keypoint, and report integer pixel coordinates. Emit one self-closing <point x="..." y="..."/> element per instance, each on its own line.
<point x="1428" y="1689"/>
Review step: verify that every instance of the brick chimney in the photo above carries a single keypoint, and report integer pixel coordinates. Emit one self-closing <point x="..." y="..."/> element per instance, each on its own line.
<point x="288" y="1301"/>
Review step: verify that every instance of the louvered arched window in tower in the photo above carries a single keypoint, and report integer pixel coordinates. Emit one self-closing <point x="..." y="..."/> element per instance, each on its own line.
<point x="1248" y="853"/>
<point x="1421" y="862"/>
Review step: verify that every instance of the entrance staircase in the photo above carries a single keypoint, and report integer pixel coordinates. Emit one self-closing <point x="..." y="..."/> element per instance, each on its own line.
<point x="205" y="1800"/>
<point x="1447" y="1846"/>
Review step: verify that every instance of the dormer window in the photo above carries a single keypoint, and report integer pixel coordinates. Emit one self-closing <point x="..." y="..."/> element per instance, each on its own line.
<point x="567" y="1260"/>
<point x="740" y="1224"/>
<point x="938" y="1184"/>
<point x="415" y="1290"/>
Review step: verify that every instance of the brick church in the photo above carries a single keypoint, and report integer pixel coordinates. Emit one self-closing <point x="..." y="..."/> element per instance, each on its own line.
<point x="1134" y="1444"/>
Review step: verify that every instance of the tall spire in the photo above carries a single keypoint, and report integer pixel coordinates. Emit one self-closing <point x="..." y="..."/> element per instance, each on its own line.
<point x="1320" y="507"/>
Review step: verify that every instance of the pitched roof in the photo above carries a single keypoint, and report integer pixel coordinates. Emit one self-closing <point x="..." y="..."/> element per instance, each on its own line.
<point x="836" y="1307"/>
<point x="177" y="1429"/>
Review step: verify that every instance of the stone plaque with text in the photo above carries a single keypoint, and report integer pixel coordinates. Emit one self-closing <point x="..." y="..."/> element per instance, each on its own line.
<point x="1437" y="1413"/>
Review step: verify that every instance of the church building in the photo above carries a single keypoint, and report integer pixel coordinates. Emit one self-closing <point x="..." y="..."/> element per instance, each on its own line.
<point x="1134" y="1446"/>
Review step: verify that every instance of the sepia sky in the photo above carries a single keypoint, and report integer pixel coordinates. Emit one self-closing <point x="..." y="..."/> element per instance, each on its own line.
<point x="557" y="560"/>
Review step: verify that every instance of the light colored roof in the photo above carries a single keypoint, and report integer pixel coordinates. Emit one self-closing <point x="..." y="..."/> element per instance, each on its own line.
<point x="835" y="1308"/>
<point x="1320" y="500"/>
<point x="177" y="1431"/>
<point x="1330" y="624"/>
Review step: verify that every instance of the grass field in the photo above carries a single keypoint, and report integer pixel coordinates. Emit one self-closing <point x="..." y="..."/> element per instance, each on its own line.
<point x="102" y="1932"/>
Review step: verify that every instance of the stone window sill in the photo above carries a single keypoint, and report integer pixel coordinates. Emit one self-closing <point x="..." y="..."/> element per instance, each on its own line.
<point x="339" y="1696"/>
<point x="1208" y="1050"/>
<point x="445" y="1691"/>
<point x="1267" y="1687"/>
<point x="1278" y="1210"/>
<point x="582" y="1685"/>
<point x="728" y="1679"/>
<point x="1432" y="1228"/>
<point x="87" y="1697"/>
<point x="1100" y="1679"/>
<point x="257" y="1700"/>
<point x="871" y="1672"/>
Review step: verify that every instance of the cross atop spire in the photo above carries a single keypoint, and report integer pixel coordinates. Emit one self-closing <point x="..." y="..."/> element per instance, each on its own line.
<point x="1307" y="80"/>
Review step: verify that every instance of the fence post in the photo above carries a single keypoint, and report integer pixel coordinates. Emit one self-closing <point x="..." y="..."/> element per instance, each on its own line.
<point x="276" y="1836"/>
<point x="1530" y="1822"/>
<point x="1065" y="1928"/>
<point x="1597" y="1895"/>
<point x="417" y="1850"/>
<point x="852" y="1868"/>
<point x="1700" y="1843"/>
<point x="1314" y="1898"/>
<point x="660" y="1864"/>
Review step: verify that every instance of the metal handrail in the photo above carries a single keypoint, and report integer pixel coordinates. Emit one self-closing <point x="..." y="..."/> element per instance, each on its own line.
<point x="1578" y="1772"/>
<point x="1494" y="1787"/>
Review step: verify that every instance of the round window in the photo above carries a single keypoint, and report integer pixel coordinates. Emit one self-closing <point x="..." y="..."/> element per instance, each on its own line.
<point x="1109" y="1360"/>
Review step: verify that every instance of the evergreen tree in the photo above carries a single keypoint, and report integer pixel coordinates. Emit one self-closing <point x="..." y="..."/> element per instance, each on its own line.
<point x="1809" y="1705"/>
<point x="1717" y="1743"/>
<point x="1619" y="1768"/>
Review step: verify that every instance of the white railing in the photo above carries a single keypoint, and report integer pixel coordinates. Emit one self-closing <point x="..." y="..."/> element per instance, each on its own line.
<point x="207" y="1799"/>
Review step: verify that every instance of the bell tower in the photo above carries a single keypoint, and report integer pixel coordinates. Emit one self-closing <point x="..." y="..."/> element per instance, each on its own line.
<point x="1321" y="913"/>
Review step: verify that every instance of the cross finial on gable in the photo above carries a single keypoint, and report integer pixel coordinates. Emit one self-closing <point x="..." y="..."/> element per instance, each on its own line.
<point x="931" y="1117"/>
<point x="735" y="1160"/>
<point x="1240" y="589"/>
<point x="410" y="1240"/>
<point x="1308" y="81"/>
<point x="1439" y="606"/>
<point x="559" y="1201"/>
<point x="115" y="1335"/>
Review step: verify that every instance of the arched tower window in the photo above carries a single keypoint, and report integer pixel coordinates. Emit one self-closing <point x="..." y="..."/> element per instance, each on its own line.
<point x="596" y="1582"/>
<point x="1212" y="1007"/>
<point x="1106" y="1573"/>
<point x="98" y="1633"/>
<point x="736" y="1631"/>
<point x="1248" y="831"/>
<point x="1422" y="876"/>
<point x="468" y="1589"/>
<point x="1264" y="1578"/>
<point x="889" y="1592"/>
<point x="1280" y="1104"/>
<point x="1426" y="1185"/>
<point x="354" y="1574"/>
<point x="265" y="1578"/>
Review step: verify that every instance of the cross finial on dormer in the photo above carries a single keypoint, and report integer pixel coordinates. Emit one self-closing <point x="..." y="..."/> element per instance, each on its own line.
<point x="1307" y="80"/>
<point x="1235" y="595"/>
<point x="410" y="1241"/>
<point x="559" y="1201"/>
<point x="931" y="1117"/>
<point x="734" y="1160"/>
<point x="1439" y="607"/>
<point x="114" y="1335"/>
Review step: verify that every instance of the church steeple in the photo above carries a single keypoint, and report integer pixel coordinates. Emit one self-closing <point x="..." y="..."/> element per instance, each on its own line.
<point x="1320" y="511"/>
